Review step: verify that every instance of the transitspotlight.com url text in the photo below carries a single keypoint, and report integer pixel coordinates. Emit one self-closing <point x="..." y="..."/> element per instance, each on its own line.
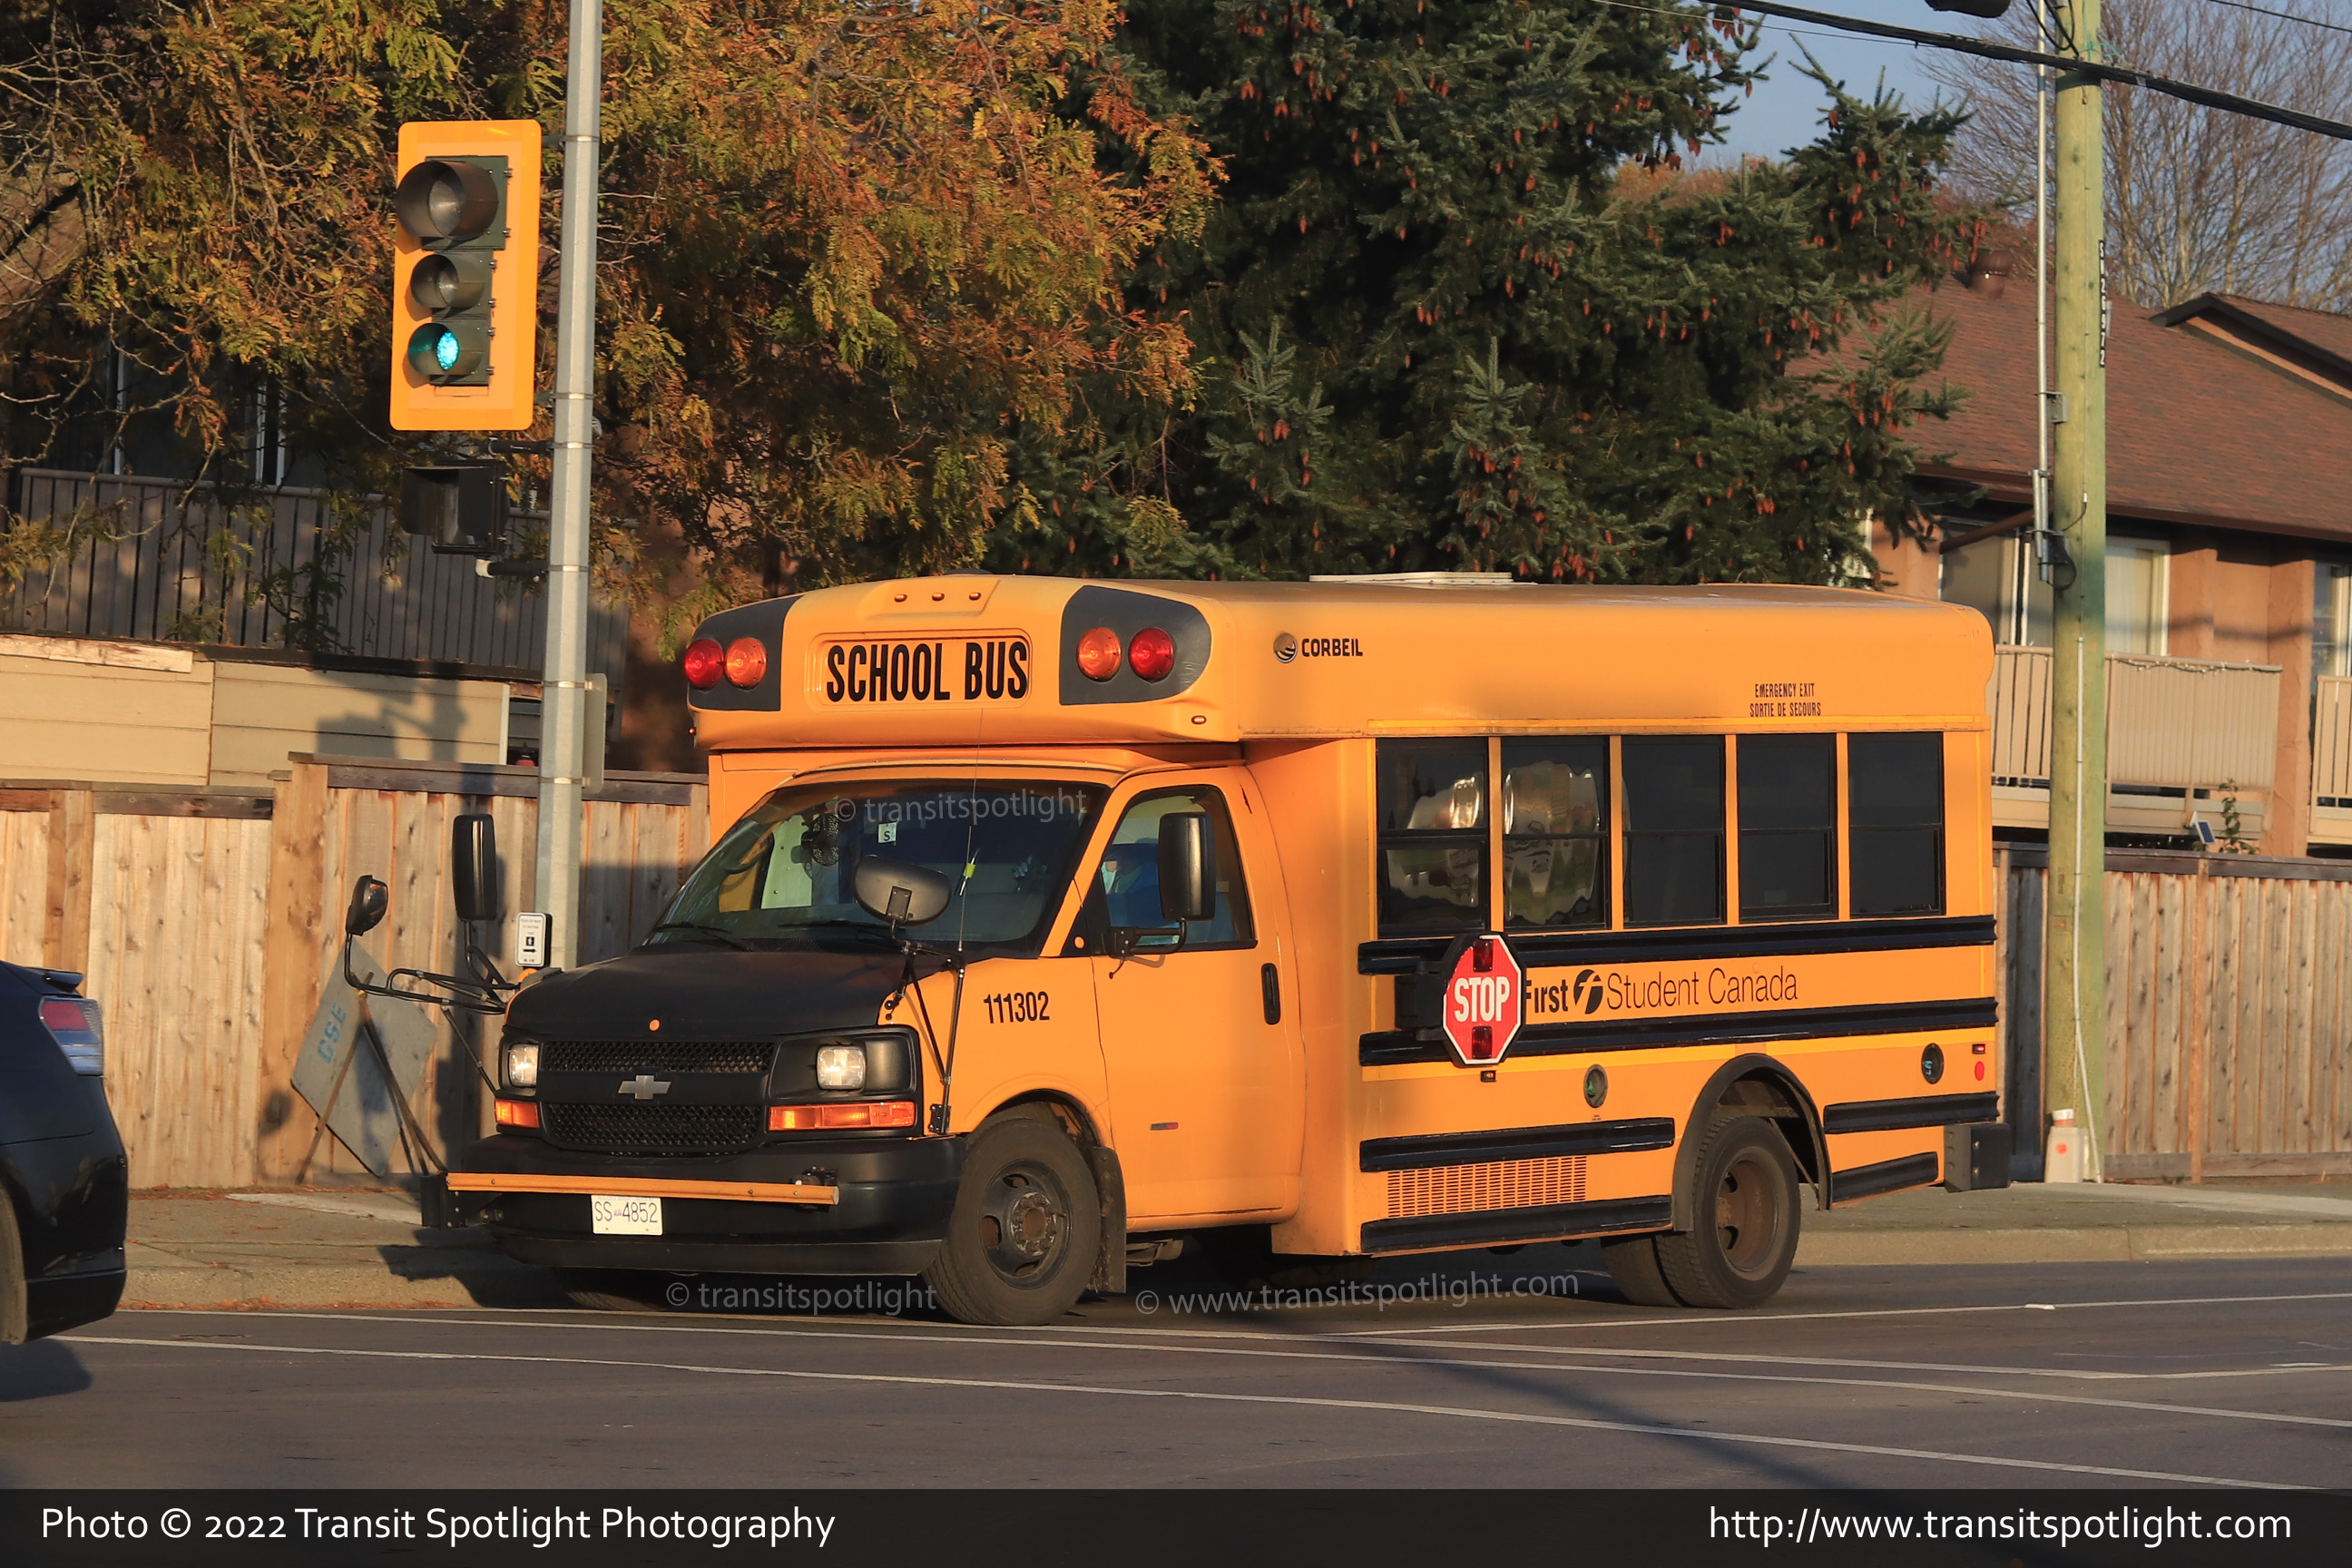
<point x="1431" y="1288"/>
<point x="890" y="1298"/>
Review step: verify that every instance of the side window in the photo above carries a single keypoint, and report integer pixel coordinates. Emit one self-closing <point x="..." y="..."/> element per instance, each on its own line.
<point x="1894" y="821"/>
<point x="1787" y="834"/>
<point x="1555" y="833"/>
<point x="1674" y="830"/>
<point x="1125" y="890"/>
<point x="1433" y="836"/>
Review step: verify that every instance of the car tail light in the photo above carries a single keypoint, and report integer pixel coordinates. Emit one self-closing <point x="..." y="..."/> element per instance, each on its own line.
<point x="803" y="1118"/>
<point x="1098" y="654"/>
<point x="73" y="1023"/>
<point x="703" y="661"/>
<point x="747" y="661"/>
<point x="1152" y="654"/>
<point x="518" y="1113"/>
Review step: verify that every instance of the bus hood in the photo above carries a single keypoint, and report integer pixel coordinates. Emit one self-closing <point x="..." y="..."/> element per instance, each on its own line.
<point x="711" y="994"/>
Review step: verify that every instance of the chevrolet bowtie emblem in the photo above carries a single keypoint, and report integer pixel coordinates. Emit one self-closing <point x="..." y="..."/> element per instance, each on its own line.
<point x="644" y="1086"/>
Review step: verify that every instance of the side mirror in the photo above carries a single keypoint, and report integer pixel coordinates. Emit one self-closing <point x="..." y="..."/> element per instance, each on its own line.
<point x="369" y="899"/>
<point x="473" y="867"/>
<point x="900" y="891"/>
<point x="1187" y="868"/>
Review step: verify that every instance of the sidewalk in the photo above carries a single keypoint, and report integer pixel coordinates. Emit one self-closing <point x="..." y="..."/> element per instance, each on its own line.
<point x="362" y="1248"/>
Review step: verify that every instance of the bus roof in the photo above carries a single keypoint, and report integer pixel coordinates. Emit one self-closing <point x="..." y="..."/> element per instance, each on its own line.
<point x="968" y="660"/>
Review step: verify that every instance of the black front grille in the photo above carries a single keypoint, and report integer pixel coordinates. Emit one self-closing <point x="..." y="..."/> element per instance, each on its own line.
<point x="652" y="1129"/>
<point x="656" y="1056"/>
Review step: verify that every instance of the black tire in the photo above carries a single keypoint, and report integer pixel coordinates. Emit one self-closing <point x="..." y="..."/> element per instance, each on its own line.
<point x="1026" y="1229"/>
<point x="1746" y="1214"/>
<point x="1633" y="1263"/>
<point x="612" y="1289"/>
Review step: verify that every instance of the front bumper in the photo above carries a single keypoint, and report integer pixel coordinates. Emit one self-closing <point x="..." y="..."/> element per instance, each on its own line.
<point x="894" y="1196"/>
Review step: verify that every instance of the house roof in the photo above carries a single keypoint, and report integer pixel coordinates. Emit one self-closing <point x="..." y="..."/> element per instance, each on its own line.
<point x="2221" y="412"/>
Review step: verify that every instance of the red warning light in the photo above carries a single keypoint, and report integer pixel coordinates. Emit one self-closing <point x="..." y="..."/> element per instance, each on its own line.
<point x="704" y="660"/>
<point x="1152" y="654"/>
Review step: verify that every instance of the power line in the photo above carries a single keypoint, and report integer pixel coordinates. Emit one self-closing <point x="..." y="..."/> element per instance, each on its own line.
<point x="2066" y="65"/>
<point x="2282" y="16"/>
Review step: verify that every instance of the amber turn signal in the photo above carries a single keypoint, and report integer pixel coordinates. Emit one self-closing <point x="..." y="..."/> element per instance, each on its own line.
<point x="747" y="661"/>
<point x="518" y="1113"/>
<point x="805" y="1118"/>
<point x="1098" y="654"/>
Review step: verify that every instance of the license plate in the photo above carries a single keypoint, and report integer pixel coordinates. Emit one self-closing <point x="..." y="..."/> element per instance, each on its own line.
<point x="626" y="1216"/>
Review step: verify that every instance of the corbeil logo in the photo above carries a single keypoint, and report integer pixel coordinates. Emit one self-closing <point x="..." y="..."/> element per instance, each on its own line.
<point x="1286" y="647"/>
<point x="1588" y="991"/>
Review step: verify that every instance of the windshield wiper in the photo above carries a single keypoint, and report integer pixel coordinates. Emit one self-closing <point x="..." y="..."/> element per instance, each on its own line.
<point x="730" y="938"/>
<point x="863" y="928"/>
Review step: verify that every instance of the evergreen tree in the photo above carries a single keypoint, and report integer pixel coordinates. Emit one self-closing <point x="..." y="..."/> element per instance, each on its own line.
<point x="1464" y="305"/>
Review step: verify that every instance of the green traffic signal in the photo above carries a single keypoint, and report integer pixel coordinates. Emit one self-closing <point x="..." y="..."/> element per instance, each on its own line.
<point x="455" y="206"/>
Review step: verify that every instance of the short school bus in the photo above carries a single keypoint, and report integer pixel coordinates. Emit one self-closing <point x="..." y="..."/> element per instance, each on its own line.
<point x="1049" y="920"/>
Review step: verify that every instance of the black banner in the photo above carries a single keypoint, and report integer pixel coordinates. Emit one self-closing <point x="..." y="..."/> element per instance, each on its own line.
<point x="2082" y="1529"/>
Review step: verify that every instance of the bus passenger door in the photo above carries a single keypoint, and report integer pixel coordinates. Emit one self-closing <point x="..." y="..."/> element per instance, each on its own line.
<point x="1199" y="1031"/>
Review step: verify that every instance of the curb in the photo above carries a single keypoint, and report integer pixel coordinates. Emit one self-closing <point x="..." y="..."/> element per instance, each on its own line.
<point x="2073" y="1244"/>
<point x="486" y="1281"/>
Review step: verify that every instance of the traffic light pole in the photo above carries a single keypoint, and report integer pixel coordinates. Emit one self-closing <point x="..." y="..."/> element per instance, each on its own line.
<point x="564" y="710"/>
<point x="2074" y="971"/>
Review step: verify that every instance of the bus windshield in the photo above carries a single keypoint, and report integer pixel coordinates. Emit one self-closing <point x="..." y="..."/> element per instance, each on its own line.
<point x="783" y="874"/>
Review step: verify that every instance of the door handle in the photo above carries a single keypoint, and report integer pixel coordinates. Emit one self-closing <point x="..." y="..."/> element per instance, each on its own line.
<point x="1269" y="980"/>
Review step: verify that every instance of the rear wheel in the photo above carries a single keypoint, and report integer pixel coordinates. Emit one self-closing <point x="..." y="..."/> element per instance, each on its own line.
<point x="1026" y="1229"/>
<point x="1745" y="1235"/>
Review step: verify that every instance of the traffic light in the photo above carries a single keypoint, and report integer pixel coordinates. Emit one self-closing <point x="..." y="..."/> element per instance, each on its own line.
<point x="465" y="276"/>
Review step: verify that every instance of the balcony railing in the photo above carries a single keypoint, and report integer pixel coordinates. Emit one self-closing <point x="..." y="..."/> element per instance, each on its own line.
<point x="2182" y="734"/>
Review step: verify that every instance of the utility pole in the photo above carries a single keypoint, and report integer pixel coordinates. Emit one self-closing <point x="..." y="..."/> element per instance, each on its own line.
<point x="2073" y="968"/>
<point x="563" y="710"/>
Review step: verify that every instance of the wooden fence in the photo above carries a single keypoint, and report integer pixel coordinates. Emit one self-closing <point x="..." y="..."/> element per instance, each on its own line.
<point x="206" y="921"/>
<point x="2229" y="1014"/>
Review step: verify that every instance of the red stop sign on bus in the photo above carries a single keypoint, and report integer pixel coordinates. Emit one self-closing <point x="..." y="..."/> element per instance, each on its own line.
<point x="1482" y="1001"/>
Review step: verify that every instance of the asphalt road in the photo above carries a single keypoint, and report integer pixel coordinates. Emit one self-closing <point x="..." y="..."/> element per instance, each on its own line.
<point x="2077" y="1375"/>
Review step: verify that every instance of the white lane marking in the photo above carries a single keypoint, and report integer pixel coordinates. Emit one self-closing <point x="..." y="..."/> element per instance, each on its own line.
<point x="1395" y="1363"/>
<point x="1681" y="1319"/>
<point x="897" y="1331"/>
<point x="1400" y="1407"/>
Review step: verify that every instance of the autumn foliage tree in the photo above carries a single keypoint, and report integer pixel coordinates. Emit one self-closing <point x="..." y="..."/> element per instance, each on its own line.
<point x="844" y="249"/>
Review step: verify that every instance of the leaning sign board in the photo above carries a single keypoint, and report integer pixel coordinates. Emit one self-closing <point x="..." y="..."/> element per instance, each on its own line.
<point x="341" y="1075"/>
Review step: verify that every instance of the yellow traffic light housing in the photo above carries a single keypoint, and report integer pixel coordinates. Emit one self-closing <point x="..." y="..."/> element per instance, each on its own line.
<point x="465" y="276"/>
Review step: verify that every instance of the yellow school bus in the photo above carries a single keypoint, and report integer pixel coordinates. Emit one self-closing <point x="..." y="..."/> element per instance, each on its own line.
<point x="1047" y="922"/>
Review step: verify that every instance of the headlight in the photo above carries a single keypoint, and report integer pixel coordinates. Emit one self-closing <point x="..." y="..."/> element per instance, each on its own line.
<point x="522" y="1064"/>
<point x="841" y="1067"/>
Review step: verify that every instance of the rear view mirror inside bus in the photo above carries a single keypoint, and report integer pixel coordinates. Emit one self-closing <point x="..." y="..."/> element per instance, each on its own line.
<point x="900" y="891"/>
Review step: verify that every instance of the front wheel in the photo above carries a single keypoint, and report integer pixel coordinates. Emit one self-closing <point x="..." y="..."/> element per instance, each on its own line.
<point x="1025" y="1231"/>
<point x="1744" y="1238"/>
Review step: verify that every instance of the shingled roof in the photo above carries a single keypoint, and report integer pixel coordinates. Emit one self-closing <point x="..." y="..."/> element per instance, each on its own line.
<point x="2221" y="413"/>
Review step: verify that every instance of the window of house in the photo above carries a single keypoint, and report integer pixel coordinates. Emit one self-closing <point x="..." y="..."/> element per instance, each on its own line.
<point x="1555" y="833"/>
<point x="1674" y="830"/>
<point x="1433" y="836"/>
<point x="1895" y="823"/>
<point x="1788" y="838"/>
<point x="2137" y="596"/>
<point x="2331" y="618"/>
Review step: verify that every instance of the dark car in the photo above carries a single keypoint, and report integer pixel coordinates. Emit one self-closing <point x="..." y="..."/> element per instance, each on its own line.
<point x="61" y="1164"/>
